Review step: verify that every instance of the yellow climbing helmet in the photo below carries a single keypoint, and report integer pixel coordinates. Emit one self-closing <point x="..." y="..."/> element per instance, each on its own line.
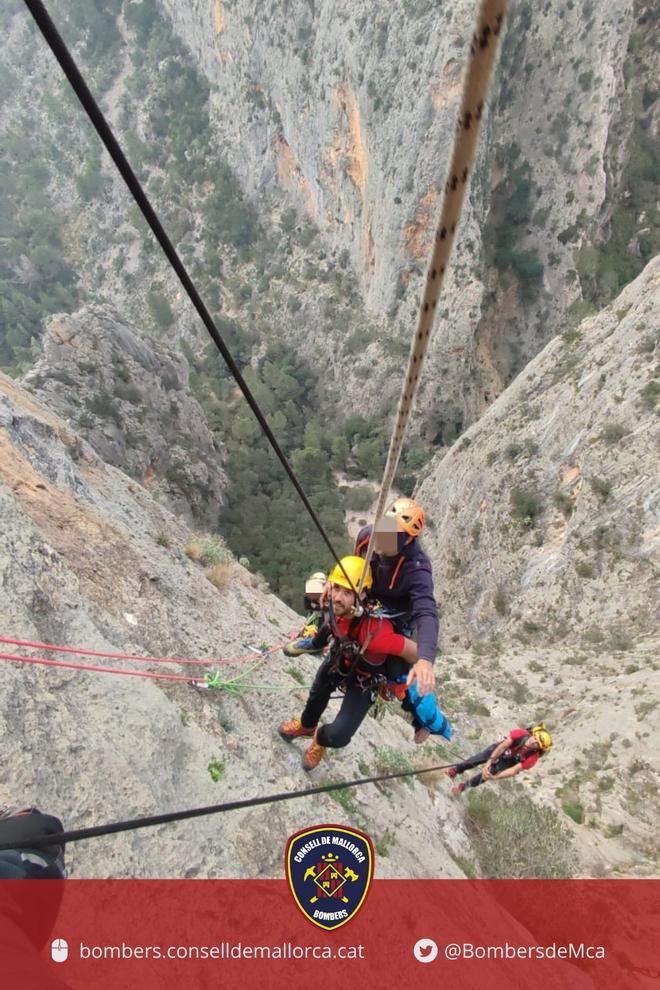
<point x="315" y="583"/>
<point x="542" y="736"/>
<point x="353" y="568"/>
<point x="409" y="515"/>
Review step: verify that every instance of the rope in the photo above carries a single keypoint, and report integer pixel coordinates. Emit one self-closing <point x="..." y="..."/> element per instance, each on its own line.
<point x="101" y="670"/>
<point x="103" y="129"/>
<point x="231" y="661"/>
<point x="483" y="51"/>
<point x="59" y="838"/>
<point x="209" y="680"/>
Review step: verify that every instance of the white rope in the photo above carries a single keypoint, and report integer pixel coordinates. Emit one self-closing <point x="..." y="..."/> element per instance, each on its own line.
<point x="478" y="72"/>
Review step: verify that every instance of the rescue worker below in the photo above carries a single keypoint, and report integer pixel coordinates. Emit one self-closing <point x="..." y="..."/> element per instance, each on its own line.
<point x="520" y="751"/>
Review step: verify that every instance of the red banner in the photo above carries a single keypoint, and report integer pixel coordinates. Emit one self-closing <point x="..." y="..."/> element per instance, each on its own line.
<point x="104" y="935"/>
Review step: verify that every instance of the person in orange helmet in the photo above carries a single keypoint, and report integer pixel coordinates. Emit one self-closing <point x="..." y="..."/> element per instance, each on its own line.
<point x="403" y="581"/>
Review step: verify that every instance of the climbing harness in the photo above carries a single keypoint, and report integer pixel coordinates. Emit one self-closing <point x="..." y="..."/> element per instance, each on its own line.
<point x="346" y="652"/>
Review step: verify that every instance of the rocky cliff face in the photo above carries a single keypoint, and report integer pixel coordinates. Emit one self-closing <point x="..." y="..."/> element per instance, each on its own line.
<point x="546" y="511"/>
<point x="544" y="515"/>
<point x="350" y="112"/>
<point x="130" y="400"/>
<point x="545" y="540"/>
<point x="89" y="558"/>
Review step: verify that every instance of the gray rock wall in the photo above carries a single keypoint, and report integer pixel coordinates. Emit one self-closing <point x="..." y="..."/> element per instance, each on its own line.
<point x="89" y="559"/>
<point x="349" y="109"/>
<point x="128" y="396"/>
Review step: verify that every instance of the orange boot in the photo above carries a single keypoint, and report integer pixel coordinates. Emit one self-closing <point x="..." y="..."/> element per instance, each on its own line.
<point x="312" y="755"/>
<point x="294" y="728"/>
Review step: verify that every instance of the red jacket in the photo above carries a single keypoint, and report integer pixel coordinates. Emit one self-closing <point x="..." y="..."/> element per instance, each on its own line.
<point x="383" y="641"/>
<point x="518" y="751"/>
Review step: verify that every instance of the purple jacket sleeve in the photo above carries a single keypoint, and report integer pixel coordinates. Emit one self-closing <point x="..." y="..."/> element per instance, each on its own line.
<point x="425" y="611"/>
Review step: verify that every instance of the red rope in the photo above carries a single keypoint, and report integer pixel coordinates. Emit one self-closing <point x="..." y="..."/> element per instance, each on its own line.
<point x="130" y="656"/>
<point x="101" y="670"/>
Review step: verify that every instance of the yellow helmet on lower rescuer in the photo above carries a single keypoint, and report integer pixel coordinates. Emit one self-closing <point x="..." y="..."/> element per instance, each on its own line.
<point x="353" y="566"/>
<point x="542" y="736"/>
<point x="409" y="515"/>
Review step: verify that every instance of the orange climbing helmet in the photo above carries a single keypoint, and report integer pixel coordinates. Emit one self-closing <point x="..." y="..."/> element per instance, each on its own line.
<point x="409" y="516"/>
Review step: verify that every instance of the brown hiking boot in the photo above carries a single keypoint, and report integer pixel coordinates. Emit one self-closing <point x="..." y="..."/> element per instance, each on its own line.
<point x="458" y="788"/>
<point x="451" y="772"/>
<point x="294" y="728"/>
<point x="312" y="755"/>
<point x="421" y="735"/>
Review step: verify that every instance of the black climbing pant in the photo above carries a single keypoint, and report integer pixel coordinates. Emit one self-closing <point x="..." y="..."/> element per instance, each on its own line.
<point x="503" y="763"/>
<point x="354" y="707"/>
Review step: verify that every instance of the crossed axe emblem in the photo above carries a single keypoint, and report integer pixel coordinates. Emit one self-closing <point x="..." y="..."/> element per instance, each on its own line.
<point x="329" y="871"/>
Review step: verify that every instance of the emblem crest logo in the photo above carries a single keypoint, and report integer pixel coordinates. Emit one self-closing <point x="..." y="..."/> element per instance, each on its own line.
<point x="329" y="869"/>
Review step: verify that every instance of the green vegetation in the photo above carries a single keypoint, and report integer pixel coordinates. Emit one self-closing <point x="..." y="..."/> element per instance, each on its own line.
<point x="208" y="550"/>
<point x="633" y="237"/>
<point x="584" y="570"/>
<point x="344" y="796"/>
<point x="359" y="498"/>
<point x="613" y="432"/>
<point x="159" y="309"/>
<point x="390" y="760"/>
<point x="500" y="600"/>
<point x="650" y="395"/>
<point x="35" y="277"/>
<point x="216" y="769"/>
<point x="602" y="487"/>
<point x="519" y="691"/>
<point x="260" y="500"/>
<point x="474" y="707"/>
<point x="563" y="502"/>
<point x="575" y="811"/>
<point x="526" y="507"/>
<point x="382" y="843"/>
<point x="468" y="867"/>
<point x="511" y="216"/>
<point x="516" y="839"/>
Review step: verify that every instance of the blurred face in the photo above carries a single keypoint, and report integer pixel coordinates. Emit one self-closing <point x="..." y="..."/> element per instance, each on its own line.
<point x="342" y="600"/>
<point x="385" y="537"/>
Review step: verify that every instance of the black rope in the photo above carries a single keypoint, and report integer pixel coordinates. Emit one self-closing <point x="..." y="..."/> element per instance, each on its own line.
<point x="73" y="74"/>
<point x="60" y="838"/>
